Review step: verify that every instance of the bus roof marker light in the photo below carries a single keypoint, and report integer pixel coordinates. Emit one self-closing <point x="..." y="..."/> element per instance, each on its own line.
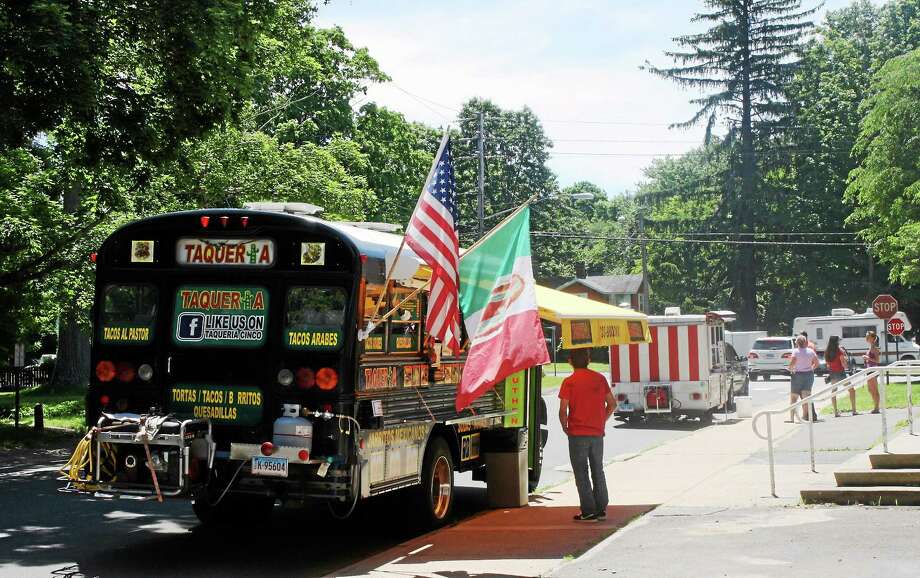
<point x="244" y="221"/>
<point x="205" y="220"/>
<point x="224" y="219"/>
<point x="92" y="257"/>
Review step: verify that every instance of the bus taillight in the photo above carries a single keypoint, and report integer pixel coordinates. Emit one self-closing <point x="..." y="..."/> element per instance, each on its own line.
<point x="327" y="378"/>
<point x="105" y="371"/>
<point x="305" y="378"/>
<point x="145" y="372"/>
<point x="285" y="377"/>
<point x="125" y="371"/>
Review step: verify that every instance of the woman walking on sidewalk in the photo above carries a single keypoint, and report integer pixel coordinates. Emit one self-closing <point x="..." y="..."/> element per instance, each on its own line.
<point x="802" y="367"/>
<point x="585" y="405"/>
<point x="871" y="359"/>
<point x="836" y="358"/>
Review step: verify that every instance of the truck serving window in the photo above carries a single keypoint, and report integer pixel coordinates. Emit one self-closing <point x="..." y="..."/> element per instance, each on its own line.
<point x="314" y="318"/>
<point x="128" y="314"/>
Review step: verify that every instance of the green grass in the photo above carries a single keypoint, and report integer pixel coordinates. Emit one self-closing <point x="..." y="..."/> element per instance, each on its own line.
<point x="62" y="409"/>
<point x="896" y="397"/>
<point x="24" y="438"/>
<point x="551" y="381"/>
<point x="564" y="367"/>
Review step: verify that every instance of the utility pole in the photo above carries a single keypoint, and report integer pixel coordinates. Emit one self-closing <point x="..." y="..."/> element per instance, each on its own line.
<point x="645" y="291"/>
<point x="482" y="173"/>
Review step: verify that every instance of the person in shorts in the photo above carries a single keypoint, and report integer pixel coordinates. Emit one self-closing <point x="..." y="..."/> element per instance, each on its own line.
<point x="835" y="356"/>
<point x="585" y="404"/>
<point x="802" y="367"/>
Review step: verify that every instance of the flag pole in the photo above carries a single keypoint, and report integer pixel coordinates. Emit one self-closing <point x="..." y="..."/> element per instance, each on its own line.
<point x="386" y="283"/>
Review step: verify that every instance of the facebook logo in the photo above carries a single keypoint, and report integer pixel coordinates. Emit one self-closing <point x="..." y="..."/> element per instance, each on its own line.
<point x="190" y="327"/>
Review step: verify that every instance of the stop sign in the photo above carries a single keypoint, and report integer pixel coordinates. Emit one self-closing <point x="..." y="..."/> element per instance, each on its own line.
<point x="885" y="306"/>
<point x="895" y="326"/>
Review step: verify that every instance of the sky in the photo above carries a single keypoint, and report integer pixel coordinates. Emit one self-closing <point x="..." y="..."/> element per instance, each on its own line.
<point x="574" y="63"/>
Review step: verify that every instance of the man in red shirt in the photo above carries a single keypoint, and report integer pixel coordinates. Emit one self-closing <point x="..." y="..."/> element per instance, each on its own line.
<point x="585" y="405"/>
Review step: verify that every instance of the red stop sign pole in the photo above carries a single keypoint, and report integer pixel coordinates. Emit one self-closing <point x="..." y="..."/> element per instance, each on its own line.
<point x="884" y="306"/>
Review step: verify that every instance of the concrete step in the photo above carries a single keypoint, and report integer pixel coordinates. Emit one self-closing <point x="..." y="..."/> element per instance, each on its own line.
<point x="872" y="496"/>
<point x="865" y="478"/>
<point x="894" y="461"/>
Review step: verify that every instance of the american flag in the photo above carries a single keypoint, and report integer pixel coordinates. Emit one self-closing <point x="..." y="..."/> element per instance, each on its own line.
<point x="432" y="234"/>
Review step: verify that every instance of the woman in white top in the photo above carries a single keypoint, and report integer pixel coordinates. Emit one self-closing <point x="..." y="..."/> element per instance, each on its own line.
<point x="802" y="367"/>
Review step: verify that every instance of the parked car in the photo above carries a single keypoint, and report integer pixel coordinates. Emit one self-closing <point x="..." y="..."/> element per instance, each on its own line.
<point x="770" y="356"/>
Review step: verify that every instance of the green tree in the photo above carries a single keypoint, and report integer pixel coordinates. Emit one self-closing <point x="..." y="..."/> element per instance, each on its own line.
<point x="399" y="155"/>
<point x="308" y="77"/>
<point x="231" y="167"/>
<point x="744" y="61"/>
<point x="886" y="185"/>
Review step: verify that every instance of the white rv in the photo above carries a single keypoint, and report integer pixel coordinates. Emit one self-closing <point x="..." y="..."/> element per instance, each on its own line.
<point x="851" y="327"/>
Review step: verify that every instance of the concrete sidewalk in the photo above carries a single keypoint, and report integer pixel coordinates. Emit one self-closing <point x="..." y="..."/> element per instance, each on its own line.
<point x="729" y="525"/>
<point x="712" y="493"/>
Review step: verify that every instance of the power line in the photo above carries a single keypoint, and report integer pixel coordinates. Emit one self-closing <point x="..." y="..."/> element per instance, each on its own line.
<point x="770" y="234"/>
<point x="562" y="235"/>
<point x="426" y="102"/>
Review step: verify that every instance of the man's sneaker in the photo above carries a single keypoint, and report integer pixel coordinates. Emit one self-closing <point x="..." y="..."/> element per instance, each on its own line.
<point x="600" y="516"/>
<point x="585" y="518"/>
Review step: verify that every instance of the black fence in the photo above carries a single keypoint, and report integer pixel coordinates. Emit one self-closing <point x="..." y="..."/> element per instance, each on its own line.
<point x="26" y="377"/>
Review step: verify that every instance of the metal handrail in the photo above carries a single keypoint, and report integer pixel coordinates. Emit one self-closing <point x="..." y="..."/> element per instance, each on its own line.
<point x="854" y="381"/>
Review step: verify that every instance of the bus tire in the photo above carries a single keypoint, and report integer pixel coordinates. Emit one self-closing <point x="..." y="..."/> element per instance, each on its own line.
<point x="436" y="492"/>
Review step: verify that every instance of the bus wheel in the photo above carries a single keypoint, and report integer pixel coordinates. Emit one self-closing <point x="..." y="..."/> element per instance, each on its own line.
<point x="436" y="493"/>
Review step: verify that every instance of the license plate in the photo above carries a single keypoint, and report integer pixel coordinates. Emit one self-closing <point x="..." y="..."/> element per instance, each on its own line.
<point x="271" y="467"/>
<point x="771" y="356"/>
<point x="625" y="407"/>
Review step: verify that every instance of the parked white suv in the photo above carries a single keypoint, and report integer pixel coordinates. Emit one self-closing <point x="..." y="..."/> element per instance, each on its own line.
<point x="770" y="356"/>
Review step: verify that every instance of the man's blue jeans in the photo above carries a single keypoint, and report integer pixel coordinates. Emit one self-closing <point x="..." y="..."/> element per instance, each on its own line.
<point x="585" y="451"/>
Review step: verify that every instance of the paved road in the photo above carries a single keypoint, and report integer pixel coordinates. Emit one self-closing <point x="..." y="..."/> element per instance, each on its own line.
<point x="43" y="530"/>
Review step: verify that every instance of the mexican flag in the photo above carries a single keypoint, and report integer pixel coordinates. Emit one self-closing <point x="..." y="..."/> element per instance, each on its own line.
<point x="499" y="304"/>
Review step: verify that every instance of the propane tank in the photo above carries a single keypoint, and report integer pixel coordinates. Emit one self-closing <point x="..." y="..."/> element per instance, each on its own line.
<point x="292" y="430"/>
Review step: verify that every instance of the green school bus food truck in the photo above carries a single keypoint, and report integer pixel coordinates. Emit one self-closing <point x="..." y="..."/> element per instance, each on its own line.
<point x="227" y="369"/>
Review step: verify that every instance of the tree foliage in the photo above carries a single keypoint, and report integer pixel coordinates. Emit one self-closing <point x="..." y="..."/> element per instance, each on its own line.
<point x="886" y="185"/>
<point x="743" y="63"/>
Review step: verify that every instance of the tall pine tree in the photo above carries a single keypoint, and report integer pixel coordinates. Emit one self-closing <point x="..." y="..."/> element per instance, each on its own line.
<point x="743" y="62"/>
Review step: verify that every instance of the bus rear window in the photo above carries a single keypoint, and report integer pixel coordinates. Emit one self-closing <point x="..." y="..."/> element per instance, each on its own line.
<point x="128" y="314"/>
<point x="314" y="318"/>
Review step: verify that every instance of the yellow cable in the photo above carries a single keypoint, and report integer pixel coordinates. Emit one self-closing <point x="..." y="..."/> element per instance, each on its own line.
<point x="82" y="460"/>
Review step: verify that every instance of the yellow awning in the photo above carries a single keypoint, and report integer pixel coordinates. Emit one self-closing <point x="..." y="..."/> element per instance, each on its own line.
<point x="587" y="323"/>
